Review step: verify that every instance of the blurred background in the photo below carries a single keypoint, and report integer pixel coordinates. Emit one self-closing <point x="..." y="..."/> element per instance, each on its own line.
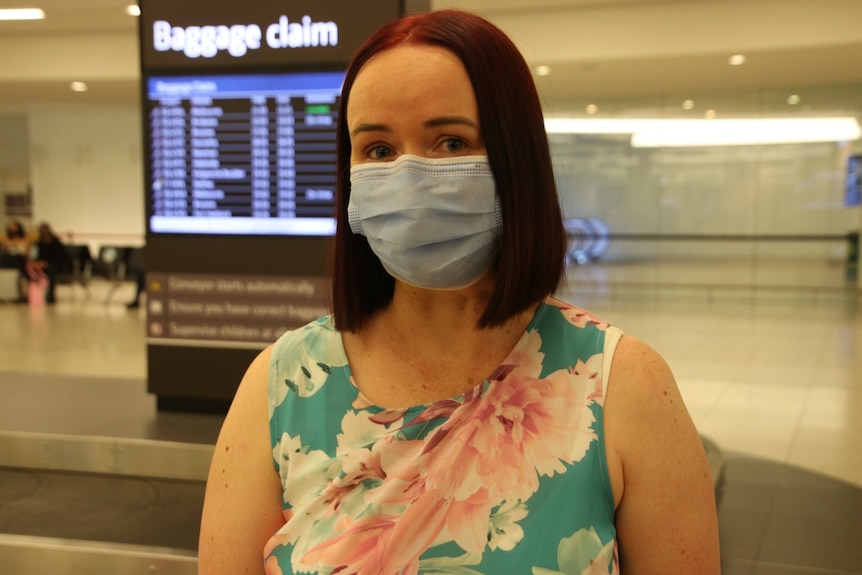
<point x="704" y="152"/>
<point x="70" y="123"/>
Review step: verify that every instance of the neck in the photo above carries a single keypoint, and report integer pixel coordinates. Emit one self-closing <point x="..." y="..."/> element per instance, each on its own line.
<point x="441" y="309"/>
<point x="443" y="321"/>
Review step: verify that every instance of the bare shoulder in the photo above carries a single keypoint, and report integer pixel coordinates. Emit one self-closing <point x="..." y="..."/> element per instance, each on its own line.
<point x="243" y="483"/>
<point x="250" y="400"/>
<point x="639" y="374"/>
<point x="666" y="515"/>
<point x="256" y="376"/>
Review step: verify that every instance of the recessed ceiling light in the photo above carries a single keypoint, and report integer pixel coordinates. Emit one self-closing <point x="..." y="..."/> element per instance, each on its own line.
<point x="543" y="70"/>
<point x="650" y="132"/>
<point x="736" y="60"/>
<point x="133" y="10"/>
<point x="21" y="14"/>
<point x="793" y="99"/>
<point x="78" y="86"/>
<point x="688" y="105"/>
<point x="592" y="109"/>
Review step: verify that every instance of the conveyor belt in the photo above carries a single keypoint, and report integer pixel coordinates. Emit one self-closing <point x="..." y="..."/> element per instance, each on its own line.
<point x="78" y="505"/>
<point x="97" y="507"/>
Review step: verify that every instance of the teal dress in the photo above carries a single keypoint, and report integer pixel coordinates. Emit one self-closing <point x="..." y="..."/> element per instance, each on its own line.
<point x="508" y="478"/>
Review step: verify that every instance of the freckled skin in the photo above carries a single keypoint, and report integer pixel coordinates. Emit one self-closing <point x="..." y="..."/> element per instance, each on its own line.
<point x="666" y="516"/>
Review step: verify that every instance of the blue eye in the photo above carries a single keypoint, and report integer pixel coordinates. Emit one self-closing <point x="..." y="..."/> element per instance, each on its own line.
<point x="380" y="152"/>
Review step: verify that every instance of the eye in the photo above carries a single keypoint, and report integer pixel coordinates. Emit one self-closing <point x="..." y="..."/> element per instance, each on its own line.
<point x="454" y="145"/>
<point x="379" y="152"/>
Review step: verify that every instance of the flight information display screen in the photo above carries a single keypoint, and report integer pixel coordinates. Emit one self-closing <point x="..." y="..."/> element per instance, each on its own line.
<point x="243" y="154"/>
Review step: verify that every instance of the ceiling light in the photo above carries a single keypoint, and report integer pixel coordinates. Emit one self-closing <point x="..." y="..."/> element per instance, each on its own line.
<point x="133" y="10"/>
<point x="592" y="109"/>
<point x="709" y="114"/>
<point x="737" y="60"/>
<point x="21" y="14"/>
<point x="78" y="87"/>
<point x="596" y="126"/>
<point x="688" y="105"/>
<point x="750" y="132"/>
<point x="543" y="70"/>
<point x="654" y="133"/>
<point x="793" y="99"/>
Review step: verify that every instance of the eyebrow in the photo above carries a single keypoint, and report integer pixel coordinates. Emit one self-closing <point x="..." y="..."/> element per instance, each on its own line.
<point x="432" y="123"/>
<point x="369" y="128"/>
<point x="450" y="121"/>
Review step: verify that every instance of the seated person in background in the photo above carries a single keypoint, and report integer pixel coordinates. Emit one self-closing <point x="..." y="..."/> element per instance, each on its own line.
<point x="15" y="241"/>
<point x="50" y="256"/>
<point x="13" y="252"/>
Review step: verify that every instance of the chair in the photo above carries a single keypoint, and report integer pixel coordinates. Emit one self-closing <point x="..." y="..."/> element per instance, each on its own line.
<point x="111" y="265"/>
<point x="80" y="265"/>
<point x="136" y="261"/>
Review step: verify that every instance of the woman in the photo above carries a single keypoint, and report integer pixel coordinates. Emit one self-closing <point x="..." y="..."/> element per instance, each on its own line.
<point x="15" y="243"/>
<point x="13" y="254"/>
<point x="49" y="258"/>
<point x="452" y="416"/>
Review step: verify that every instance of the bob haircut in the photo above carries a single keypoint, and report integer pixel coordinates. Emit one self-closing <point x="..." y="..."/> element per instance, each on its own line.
<point x="530" y="263"/>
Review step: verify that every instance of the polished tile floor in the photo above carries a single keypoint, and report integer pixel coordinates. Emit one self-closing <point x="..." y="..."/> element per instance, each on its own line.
<point x="773" y="376"/>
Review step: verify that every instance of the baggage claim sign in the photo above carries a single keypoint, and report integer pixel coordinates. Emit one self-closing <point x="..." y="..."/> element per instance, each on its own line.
<point x="239" y="107"/>
<point x="227" y="34"/>
<point x="257" y="54"/>
<point x="238" y="39"/>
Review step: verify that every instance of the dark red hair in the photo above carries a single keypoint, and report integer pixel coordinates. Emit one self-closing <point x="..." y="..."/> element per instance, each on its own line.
<point x="530" y="264"/>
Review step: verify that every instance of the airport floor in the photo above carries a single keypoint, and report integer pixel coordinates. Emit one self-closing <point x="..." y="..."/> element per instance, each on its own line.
<point x="772" y="376"/>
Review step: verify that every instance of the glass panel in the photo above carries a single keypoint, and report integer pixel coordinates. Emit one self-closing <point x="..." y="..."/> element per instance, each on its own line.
<point x="750" y="208"/>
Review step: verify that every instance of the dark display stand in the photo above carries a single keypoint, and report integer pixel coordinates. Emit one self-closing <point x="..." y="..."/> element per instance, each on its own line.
<point x="243" y="154"/>
<point x="239" y="115"/>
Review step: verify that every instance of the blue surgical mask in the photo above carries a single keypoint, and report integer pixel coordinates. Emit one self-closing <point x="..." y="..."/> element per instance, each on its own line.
<point x="433" y="223"/>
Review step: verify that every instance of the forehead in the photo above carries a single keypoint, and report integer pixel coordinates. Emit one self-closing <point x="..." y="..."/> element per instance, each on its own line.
<point x="411" y="79"/>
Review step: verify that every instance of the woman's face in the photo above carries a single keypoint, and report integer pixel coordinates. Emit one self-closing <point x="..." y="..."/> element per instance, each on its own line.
<point x="413" y="100"/>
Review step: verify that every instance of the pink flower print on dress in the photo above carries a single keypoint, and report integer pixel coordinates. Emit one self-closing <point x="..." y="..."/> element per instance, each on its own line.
<point x="360" y="468"/>
<point x="282" y="537"/>
<point x="271" y="567"/>
<point x="591" y="369"/>
<point x="361" y="549"/>
<point x="536" y="426"/>
<point x="524" y="358"/>
<point x="401" y="462"/>
<point x="444" y="487"/>
<point x="579" y="317"/>
<point x="527" y="422"/>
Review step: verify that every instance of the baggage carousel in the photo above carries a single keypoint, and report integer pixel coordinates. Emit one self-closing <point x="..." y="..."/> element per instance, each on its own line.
<point x="76" y="505"/>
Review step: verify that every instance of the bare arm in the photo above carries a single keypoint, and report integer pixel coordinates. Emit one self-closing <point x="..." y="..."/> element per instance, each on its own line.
<point x="666" y="515"/>
<point x="242" y="507"/>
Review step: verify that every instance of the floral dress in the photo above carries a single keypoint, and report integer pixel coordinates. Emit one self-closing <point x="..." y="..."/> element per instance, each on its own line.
<point x="508" y="478"/>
